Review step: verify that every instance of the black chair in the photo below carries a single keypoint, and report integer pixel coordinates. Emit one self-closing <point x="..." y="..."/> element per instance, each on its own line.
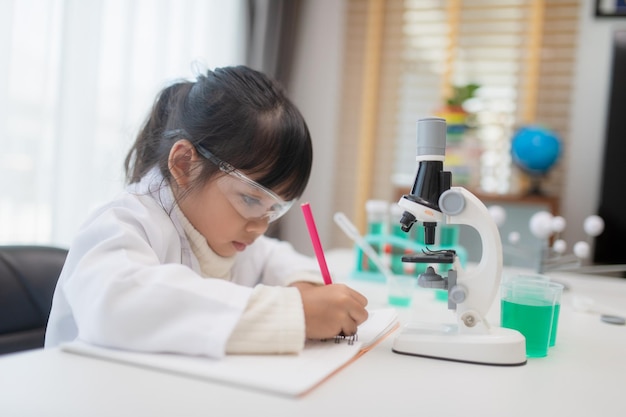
<point x="28" y="276"/>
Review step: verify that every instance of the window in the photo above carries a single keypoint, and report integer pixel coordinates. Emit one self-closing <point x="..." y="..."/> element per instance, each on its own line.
<point x="520" y="52"/>
<point x="76" y="82"/>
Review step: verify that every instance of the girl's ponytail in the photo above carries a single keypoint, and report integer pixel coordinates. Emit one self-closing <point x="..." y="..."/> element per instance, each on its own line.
<point x="149" y="147"/>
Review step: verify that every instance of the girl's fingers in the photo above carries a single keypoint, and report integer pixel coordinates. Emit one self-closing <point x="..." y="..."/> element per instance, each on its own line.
<point x="358" y="315"/>
<point x="349" y="328"/>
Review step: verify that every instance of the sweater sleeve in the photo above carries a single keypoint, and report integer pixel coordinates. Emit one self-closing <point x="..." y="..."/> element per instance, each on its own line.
<point x="272" y="323"/>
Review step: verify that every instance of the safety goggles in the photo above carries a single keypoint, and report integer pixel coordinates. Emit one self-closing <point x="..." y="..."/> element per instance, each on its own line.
<point x="251" y="200"/>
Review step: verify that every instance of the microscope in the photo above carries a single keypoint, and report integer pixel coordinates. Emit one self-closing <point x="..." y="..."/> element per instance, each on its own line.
<point x="471" y="293"/>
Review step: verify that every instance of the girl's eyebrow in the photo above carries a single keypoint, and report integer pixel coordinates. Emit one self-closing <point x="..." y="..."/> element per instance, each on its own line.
<point x="253" y="191"/>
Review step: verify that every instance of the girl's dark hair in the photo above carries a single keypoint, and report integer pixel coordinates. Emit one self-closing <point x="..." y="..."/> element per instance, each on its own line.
<point x="238" y="114"/>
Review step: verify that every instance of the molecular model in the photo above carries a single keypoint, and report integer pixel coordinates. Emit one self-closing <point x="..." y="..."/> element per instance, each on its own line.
<point x="548" y="228"/>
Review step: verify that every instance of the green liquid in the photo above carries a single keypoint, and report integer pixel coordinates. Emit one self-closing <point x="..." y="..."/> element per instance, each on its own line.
<point x="533" y="321"/>
<point x="395" y="300"/>
<point x="375" y="228"/>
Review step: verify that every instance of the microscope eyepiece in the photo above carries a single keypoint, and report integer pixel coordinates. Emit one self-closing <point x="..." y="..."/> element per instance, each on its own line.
<point x="431" y="179"/>
<point x="431" y="137"/>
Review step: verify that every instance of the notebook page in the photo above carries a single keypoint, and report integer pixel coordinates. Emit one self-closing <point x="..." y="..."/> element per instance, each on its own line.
<point x="289" y="375"/>
<point x="378" y="324"/>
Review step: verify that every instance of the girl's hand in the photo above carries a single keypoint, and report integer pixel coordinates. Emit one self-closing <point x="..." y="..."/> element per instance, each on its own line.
<point x="331" y="309"/>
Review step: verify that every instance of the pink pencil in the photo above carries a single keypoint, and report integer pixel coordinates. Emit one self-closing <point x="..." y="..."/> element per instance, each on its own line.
<point x="317" y="245"/>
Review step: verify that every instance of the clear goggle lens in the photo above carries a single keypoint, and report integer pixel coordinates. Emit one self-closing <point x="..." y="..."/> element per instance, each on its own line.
<point x="251" y="200"/>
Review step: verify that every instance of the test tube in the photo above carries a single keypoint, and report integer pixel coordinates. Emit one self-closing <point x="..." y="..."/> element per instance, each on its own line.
<point x="377" y="212"/>
<point x="377" y="216"/>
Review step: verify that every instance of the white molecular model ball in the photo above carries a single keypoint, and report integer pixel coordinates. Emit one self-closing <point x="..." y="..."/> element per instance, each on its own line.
<point x="541" y="224"/>
<point x="593" y="225"/>
<point x="558" y="224"/>
<point x="581" y="250"/>
<point x="559" y="246"/>
<point x="514" y="238"/>
<point x="497" y="214"/>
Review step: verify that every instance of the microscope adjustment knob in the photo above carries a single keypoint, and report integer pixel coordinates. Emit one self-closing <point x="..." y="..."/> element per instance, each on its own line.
<point x="451" y="202"/>
<point x="469" y="319"/>
<point x="457" y="294"/>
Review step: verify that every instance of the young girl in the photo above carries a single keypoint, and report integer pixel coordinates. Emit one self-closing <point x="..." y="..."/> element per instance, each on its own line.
<point x="179" y="262"/>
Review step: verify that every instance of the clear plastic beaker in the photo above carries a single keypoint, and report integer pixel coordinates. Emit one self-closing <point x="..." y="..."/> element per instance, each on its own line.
<point x="530" y="306"/>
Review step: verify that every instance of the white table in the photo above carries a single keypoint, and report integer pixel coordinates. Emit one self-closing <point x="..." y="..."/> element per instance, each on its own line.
<point x="583" y="375"/>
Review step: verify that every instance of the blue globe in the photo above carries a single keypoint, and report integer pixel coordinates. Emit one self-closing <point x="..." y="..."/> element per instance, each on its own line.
<point x="535" y="149"/>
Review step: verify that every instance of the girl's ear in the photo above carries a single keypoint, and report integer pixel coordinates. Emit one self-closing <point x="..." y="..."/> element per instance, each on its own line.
<point x="181" y="161"/>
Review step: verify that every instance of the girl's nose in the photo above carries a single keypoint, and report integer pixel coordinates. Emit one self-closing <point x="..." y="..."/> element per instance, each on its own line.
<point x="258" y="226"/>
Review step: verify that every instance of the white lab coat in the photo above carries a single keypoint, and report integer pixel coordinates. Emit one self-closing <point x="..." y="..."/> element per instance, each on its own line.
<point x="131" y="280"/>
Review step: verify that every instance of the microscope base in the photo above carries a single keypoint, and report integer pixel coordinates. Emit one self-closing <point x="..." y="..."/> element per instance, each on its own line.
<point x="500" y="346"/>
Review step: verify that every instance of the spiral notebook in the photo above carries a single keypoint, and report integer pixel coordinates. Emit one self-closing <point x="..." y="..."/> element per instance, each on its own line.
<point x="288" y="375"/>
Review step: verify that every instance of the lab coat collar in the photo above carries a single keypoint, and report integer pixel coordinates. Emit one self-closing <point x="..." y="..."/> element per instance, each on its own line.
<point x="155" y="185"/>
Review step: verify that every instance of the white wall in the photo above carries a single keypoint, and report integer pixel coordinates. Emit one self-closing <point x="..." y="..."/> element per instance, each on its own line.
<point x="315" y="90"/>
<point x="317" y="84"/>
<point x="588" y="121"/>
